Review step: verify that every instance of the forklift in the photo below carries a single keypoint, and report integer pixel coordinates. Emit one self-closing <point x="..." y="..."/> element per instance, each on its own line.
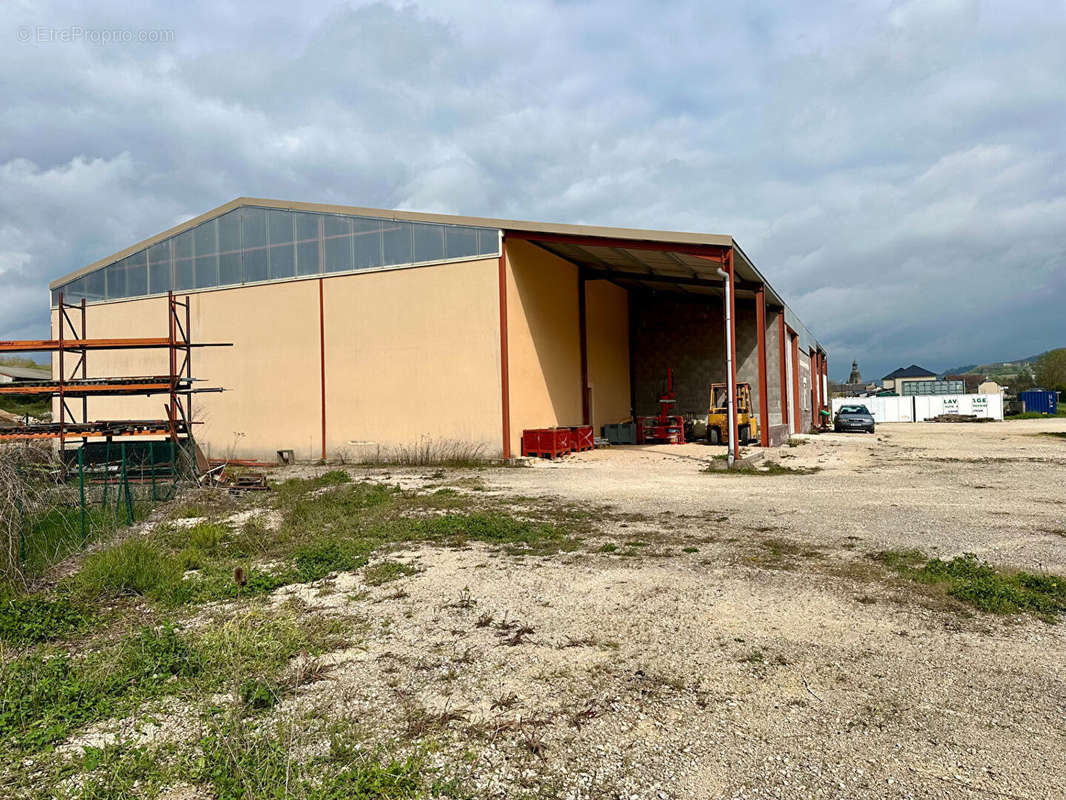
<point x="718" y="416"/>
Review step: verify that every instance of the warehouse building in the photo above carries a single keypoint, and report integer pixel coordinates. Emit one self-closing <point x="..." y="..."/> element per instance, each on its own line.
<point x="358" y="330"/>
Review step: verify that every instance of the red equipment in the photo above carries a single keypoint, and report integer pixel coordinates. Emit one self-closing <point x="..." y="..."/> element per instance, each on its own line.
<point x="665" y="428"/>
<point x="546" y="442"/>
<point x="582" y="438"/>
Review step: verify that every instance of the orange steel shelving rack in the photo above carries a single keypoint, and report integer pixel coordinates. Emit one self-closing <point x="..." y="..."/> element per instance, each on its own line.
<point x="74" y="383"/>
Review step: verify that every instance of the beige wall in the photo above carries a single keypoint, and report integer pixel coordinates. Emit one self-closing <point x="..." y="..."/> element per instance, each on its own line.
<point x="607" y="345"/>
<point x="543" y="335"/>
<point x="409" y="353"/>
<point x="414" y="354"/>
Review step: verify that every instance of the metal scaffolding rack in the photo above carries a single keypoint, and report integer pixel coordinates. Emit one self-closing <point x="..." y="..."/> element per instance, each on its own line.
<point x="74" y="383"/>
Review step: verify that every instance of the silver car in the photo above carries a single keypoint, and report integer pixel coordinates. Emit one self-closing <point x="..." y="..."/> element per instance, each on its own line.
<point x="853" y="418"/>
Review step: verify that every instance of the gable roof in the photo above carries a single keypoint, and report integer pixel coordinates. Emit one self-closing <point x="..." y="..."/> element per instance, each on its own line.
<point x="913" y="371"/>
<point x="642" y="238"/>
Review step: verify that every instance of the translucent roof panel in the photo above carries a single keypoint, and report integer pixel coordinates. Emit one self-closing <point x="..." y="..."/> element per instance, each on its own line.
<point x="252" y="245"/>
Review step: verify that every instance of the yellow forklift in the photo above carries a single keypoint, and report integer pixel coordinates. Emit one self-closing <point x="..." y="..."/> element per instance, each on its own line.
<point x="718" y="416"/>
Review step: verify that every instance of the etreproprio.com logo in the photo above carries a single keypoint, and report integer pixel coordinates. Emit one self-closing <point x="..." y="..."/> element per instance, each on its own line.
<point x="45" y="34"/>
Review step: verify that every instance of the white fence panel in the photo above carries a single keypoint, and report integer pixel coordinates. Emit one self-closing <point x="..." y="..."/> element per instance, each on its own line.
<point x="916" y="408"/>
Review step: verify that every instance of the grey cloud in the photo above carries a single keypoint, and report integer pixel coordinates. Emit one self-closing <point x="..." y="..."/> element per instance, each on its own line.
<point x="896" y="169"/>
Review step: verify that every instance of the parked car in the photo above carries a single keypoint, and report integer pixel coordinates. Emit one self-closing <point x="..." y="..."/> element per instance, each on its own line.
<point x="853" y="418"/>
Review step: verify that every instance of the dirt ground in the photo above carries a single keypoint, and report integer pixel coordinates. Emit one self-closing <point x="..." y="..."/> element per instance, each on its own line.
<point x="764" y="663"/>
<point x="715" y="635"/>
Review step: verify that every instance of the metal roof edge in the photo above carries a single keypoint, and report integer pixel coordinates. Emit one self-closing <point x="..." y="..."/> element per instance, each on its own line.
<point x="636" y="234"/>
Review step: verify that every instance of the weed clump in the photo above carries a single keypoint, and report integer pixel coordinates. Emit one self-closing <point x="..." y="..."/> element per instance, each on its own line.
<point x="136" y="566"/>
<point x="27" y="619"/>
<point x="767" y="468"/>
<point x="979" y="584"/>
<point x="46" y="695"/>
<point x="385" y="571"/>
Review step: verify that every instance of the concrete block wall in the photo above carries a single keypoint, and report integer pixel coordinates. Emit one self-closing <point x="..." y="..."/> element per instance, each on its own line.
<point x="748" y="348"/>
<point x="688" y="334"/>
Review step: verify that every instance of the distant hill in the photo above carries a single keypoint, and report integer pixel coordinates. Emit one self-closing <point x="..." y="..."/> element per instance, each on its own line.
<point x="996" y="370"/>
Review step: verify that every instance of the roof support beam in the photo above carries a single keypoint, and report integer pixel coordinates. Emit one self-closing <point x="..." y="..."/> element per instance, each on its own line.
<point x="711" y="252"/>
<point x="680" y="280"/>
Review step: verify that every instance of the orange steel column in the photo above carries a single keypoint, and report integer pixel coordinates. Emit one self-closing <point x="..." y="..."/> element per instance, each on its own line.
<point x="322" y="359"/>
<point x="734" y="433"/>
<point x="505" y="380"/>
<point x="582" y="321"/>
<point x="784" y="366"/>
<point x="764" y="400"/>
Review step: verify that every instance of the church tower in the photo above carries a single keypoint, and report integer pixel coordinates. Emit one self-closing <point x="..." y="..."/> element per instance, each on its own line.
<point x="855" y="376"/>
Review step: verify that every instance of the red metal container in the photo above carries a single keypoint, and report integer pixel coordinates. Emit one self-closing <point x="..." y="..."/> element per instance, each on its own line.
<point x="581" y="438"/>
<point x="546" y="442"/>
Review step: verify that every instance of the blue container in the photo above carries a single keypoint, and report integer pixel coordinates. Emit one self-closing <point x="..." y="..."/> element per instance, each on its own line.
<point x="1040" y="400"/>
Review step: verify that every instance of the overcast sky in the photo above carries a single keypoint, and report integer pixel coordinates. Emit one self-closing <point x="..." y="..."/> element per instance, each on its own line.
<point x="897" y="170"/>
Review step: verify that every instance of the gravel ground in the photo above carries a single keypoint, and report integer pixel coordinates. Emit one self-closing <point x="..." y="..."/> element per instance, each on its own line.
<point x="738" y="671"/>
<point x="722" y="635"/>
<point x="995" y="489"/>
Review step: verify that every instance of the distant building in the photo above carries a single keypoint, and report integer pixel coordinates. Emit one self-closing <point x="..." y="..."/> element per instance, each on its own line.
<point x="989" y="387"/>
<point x="855" y="376"/>
<point x="24" y="374"/>
<point x="894" y="381"/>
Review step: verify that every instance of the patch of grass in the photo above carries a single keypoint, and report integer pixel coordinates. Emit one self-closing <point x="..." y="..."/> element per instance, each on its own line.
<point x="1037" y="414"/>
<point x="385" y="571"/>
<point x="119" y="771"/>
<point x="190" y="511"/>
<point x="1055" y="434"/>
<point x="239" y="762"/>
<point x="429" y="452"/>
<point x="32" y="618"/>
<point x="259" y="695"/>
<point x="610" y="547"/>
<point x="22" y="404"/>
<point x="46" y="695"/>
<point x="135" y="566"/>
<point x="206" y="536"/>
<point x="690" y="549"/>
<point x="295" y="488"/>
<point x="216" y="582"/>
<point x="979" y="584"/>
<point x="318" y="558"/>
<point x="55" y="535"/>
